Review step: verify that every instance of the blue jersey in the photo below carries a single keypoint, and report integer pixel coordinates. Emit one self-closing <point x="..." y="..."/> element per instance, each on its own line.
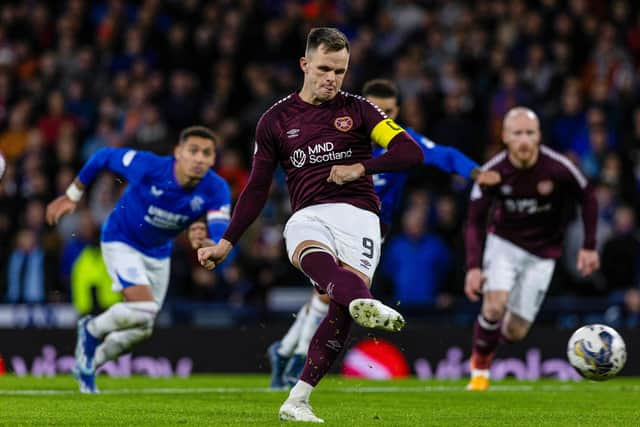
<point x="389" y="185"/>
<point x="155" y="207"/>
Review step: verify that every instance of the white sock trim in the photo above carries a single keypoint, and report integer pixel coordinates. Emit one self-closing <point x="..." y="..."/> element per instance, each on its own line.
<point x="480" y="372"/>
<point x="318" y="306"/>
<point x="484" y="324"/>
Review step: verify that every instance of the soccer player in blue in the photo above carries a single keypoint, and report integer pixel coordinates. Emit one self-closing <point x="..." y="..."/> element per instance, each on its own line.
<point x="287" y="357"/>
<point x="165" y="194"/>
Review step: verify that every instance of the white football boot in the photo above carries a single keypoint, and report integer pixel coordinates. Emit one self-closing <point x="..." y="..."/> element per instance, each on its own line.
<point x="371" y="313"/>
<point x="297" y="410"/>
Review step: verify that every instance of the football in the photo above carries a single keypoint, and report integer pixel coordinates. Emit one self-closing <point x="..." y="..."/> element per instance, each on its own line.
<point x="597" y="352"/>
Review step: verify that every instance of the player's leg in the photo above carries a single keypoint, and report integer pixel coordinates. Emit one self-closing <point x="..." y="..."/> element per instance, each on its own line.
<point x="326" y="345"/>
<point x="527" y="297"/>
<point x="280" y="352"/>
<point x="143" y="298"/>
<point x="126" y="268"/>
<point x="514" y="327"/>
<point x="486" y="338"/>
<point x="327" y="255"/>
<point x="500" y="266"/>
<point x="317" y="311"/>
<point x="320" y="264"/>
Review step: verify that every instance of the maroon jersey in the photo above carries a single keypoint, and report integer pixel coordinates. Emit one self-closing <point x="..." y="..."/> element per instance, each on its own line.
<point x="531" y="207"/>
<point x="307" y="141"/>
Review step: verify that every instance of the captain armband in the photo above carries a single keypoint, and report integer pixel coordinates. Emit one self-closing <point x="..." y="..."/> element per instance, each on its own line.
<point x="385" y="131"/>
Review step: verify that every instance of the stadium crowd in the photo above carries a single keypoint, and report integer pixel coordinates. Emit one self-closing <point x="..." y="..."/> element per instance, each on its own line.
<point x="76" y="76"/>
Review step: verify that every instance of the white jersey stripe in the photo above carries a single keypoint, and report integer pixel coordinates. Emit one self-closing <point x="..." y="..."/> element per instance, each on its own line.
<point x="476" y="191"/>
<point x="582" y="180"/>
<point x="494" y="160"/>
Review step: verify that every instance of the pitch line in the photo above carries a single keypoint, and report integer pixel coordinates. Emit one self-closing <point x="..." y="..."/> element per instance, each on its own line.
<point x="351" y="389"/>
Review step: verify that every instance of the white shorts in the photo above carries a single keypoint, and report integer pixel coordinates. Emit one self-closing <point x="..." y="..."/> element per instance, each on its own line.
<point x="352" y="234"/>
<point x="525" y="276"/>
<point x="128" y="266"/>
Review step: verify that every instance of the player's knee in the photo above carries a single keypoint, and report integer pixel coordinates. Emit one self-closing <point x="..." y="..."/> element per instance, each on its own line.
<point x="493" y="312"/>
<point x="324" y="298"/>
<point x="514" y="333"/>
<point x="139" y="314"/>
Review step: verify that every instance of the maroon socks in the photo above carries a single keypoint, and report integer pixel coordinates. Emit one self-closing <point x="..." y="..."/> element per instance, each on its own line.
<point x="486" y="337"/>
<point x="342" y="285"/>
<point x="326" y="344"/>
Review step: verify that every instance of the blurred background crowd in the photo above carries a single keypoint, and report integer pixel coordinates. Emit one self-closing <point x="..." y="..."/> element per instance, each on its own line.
<point x="78" y="75"/>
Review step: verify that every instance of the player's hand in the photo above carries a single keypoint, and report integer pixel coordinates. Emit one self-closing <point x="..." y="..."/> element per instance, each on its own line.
<point x="488" y="178"/>
<point x="588" y="261"/>
<point x="58" y="208"/>
<point x="197" y="235"/>
<point x="211" y="256"/>
<point x="473" y="284"/>
<point x="341" y="174"/>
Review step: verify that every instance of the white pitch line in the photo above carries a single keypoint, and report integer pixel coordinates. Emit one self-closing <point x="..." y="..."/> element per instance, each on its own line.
<point x="380" y="389"/>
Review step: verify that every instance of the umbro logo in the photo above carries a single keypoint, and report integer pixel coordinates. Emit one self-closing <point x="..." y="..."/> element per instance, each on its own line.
<point x="292" y="133"/>
<point x="329" y="289"/>
<point x="156" y="191"/>
<point x="334" y="345"/>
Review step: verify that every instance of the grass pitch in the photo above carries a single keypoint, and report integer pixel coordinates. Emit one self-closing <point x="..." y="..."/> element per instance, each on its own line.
<point x="244" y="400"/>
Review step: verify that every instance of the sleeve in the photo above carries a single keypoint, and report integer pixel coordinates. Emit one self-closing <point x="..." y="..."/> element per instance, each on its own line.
<point x="448" y="159"/>
<point x="402" y="151"/>
<point x="130" y="164"/>
<point x="254" y="196"/>
<point x="476" y="229"/>
<point x="579" y="185"/>
<point x="219" y="211"/>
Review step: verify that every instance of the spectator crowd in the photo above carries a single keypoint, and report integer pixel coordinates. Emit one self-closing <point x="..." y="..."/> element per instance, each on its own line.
<point x="76" y="76"/>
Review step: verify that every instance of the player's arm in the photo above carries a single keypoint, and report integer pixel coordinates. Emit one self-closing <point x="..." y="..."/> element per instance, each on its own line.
<point x="402" y="153"/>
<point x="219" y="212"/>
<point x="452" y="160"/>
<point x="124" y="162"/>
<point x="588" y="259"/>
<point x="251" y="200"/>
<point x="475" y="233"/>
<point x="215" y="222"/>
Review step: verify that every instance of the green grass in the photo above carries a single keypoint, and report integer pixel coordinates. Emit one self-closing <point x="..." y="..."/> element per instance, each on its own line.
<point x="243" y="400"/>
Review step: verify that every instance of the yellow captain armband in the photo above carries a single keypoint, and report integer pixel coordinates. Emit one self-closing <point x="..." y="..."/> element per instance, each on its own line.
<point x="384" y="132"/>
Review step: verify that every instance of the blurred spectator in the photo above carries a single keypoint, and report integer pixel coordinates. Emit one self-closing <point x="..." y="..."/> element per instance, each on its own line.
<point x="232" y="170"/>
<point x="621" y="252"/>
<point x="87" y="274"/>
<point x="417" y="262"/>
<point x="78" y="76"/>
<point x="54" y="119"/>
<point x="26" y="283"/>
<point x="13" y="141"/>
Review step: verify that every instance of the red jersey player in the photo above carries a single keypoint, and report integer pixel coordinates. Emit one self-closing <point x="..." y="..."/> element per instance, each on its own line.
<point x="528" y="216"/>
<point x="321" y="136"/>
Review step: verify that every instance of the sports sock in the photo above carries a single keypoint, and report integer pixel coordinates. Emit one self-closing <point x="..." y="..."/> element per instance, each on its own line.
<point x="301" y="391"/>
<point x="326" y="344"/>
<point x="119" y="342"/>
<point x="292" y="337"/>
<point x="317" y="311"/>
<point x="123" y="315"/>
<point x="486" y="337"/>
<point x="340" y="284"/>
